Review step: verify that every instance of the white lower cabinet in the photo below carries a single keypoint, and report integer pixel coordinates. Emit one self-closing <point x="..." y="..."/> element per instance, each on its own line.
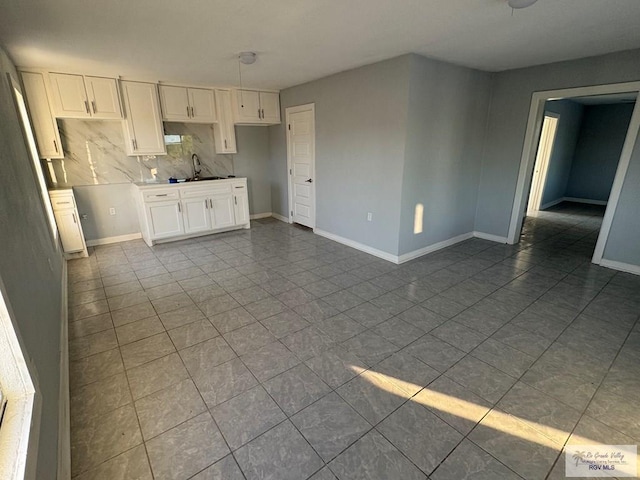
<point x="187" y="210"/>
<point x="165" y="218"/>
<point x="240" y="203"/>
<point x="197" y="217"/>
<point x="222" y="211"/>
<point x="68" y="222"/>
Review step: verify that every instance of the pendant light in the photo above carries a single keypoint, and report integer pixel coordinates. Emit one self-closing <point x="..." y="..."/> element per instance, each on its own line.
<point x="244" y="58"/>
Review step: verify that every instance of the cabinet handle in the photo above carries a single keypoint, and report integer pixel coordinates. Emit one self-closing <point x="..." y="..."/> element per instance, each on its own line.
<point x="225" y="144"/>
<point x="188" y="114"/>
<point x="206" y="203"/>
<point x="263" y="113"/>
<point x="86" y="105"/>
<point x="161" y="194"/>
<point x="93" y="105"/>
<point x="134" y="144"/>
<point x="235" y="200"/>
<point x="55" y="145"/>
<point x="74" y="217"/>
<point x="211" y="203"/>
<point x="192" y="114"/>
<point x="179" y="207"/>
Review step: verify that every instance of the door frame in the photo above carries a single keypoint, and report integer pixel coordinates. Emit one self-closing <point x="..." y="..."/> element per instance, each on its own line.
<point x="288" y="112"/>
<point x="532" y="138"/>
<point x="541" y="179"/>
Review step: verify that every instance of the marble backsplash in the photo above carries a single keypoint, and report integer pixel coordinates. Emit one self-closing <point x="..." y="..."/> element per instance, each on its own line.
<point x="95" y="155"/>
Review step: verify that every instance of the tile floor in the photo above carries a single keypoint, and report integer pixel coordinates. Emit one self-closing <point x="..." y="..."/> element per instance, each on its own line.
<point x="273" y="353"/>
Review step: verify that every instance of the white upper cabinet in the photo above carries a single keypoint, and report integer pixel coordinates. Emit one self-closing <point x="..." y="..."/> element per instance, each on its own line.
<point x="182" y="104"/>
<point x="78" y="96"/>
<point x="144" y="134"/>
<point x="44" y="124"/>
<point x="103" y="97"/>
<point x="224" y="132"/>
<point x="255" y="107"/>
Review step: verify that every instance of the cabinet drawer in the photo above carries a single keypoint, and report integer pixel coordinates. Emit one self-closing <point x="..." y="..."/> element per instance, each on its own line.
<point x="194" y="192"/>
<point x="160" y="195"/>
<point x="62" y="202"/>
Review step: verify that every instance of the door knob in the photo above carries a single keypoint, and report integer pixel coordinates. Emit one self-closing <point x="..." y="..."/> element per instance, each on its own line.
<point x="309" y="181"/>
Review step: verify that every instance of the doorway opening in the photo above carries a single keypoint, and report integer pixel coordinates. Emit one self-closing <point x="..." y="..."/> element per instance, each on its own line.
<point x="546" y="183"/>
<point x="301" y="164"/>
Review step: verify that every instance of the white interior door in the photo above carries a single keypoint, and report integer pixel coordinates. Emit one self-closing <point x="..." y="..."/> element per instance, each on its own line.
<point x="545" y="149"/>
<point x="301" y="161"/>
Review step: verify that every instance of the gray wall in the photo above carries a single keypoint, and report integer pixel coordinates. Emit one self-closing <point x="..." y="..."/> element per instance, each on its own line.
<point x="448" y="107"/>
<point x="360" y="126"/>
<point x="30" y="269"/>
<point x="563" y="148"/>
<point x="597" y="152"/>
<point x="94" y="201"/>
<point x="252" y="161"/>
<point x="511" y="99"/>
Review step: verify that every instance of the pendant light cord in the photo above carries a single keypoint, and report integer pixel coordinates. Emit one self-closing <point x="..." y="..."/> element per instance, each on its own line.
<point x="240" y="76"/>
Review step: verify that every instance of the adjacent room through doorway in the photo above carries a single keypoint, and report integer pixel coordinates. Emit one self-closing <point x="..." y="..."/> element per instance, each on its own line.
<point x="579" y="149"/>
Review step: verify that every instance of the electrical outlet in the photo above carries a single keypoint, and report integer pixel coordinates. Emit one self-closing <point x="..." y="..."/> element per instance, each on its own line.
<point x="369" y="216"/>
<point x="84" y="216"/>
<point x="112" y="211"/>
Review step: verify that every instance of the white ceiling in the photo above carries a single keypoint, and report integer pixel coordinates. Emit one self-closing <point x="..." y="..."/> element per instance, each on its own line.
<point x="197" y="41"/>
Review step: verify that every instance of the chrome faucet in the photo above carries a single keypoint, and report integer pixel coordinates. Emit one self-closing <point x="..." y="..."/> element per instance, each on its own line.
<point x="196" y="166"/>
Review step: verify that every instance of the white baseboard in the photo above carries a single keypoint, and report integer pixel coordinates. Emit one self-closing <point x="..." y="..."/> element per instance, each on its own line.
<point x="358" y="246"/>
<point x="551" y="203"/>
<point x="256" y="216"/>
<point x="490" y="237"/>
<point x="405" y="257"/>
<point x="584" y="200"/>
<point x="282" y="218"/>
<point x="116" y="239"/>
<point x="64" y="420"/>
<point x="623" y="267"/>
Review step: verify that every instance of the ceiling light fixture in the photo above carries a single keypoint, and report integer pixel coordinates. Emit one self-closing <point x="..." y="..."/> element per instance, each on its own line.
<point x="521" y="3"/>
<point x="247" y="58"/>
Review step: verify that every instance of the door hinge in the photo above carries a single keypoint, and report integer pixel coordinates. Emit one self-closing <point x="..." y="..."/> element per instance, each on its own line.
<point x="289" y="126"/>
<point x="290" y="172"/>
<point x="292" y="213"/>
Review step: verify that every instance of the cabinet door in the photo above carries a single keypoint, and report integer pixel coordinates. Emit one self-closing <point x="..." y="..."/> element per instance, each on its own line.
<point x="203" y="105"/>
<point x="270" y="107"/>
<point x="224" y="131"/>
<point x="196" y="214"/>
<point x="165" y="219"/>
<point x="143" y="126"/>
<point x="240" y="204"/>
<point x="175" y="103"/>
<point x="70" y="232"/>
<point x="103" y="97"/>
<point x="69" y="96"/>
<point x="247" y="106"/>
<point x="222" y="211"/>
<point x="43" y="123"/>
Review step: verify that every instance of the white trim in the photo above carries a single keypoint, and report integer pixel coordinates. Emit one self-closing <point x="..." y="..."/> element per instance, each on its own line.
<point x="282" y="218"/>
<point x="550" y="204"/>
<point x="358" y="246"/>
<point x="288" y="112"/>
<point x="256" y="216"/>
<point x="490" y="237"/>
<point x="584" y="200"/>
<point x="116" y="239"/>
<point x="621" y="266"/>
<point x="389" y="256"/>
<point x="405" y="257"/>
<point x="64" y="418"/>
<point x="18" y="439"/>
<point x="536" y="113"/>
